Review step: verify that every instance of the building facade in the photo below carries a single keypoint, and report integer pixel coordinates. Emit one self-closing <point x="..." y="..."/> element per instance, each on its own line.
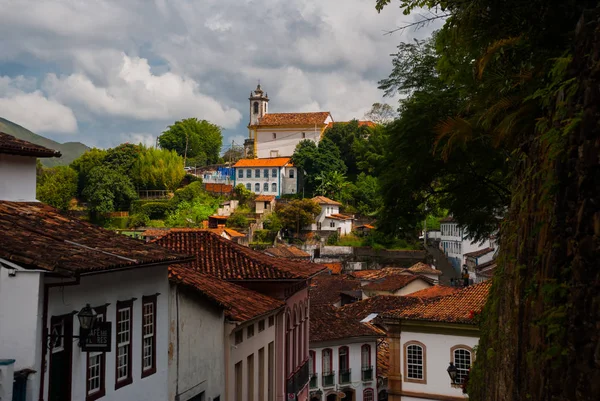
<point x="272" y="176"/>
<point x="330" y="218"/>
<point x="454" y="242"/>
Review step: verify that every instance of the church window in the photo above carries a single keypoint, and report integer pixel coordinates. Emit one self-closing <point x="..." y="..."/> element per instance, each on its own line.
<point x="240" y="173"/>
<point x="266" y="173"/>
<point x="255" y="107"/>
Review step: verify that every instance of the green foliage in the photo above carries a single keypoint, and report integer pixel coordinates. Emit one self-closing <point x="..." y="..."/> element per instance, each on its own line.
<point x="203" y="138"/>
<point x="156" y="224"/>
<point x="345" y="136"/>
<point x="139" y="220"/>
<point x="333" y="239"/>
<point x="239" y="218"/>
<point x="264" y="236"/>
<point x="366" y="195"/>
<point x="120" y="223"/>
<point x="243" y="195"/>
<point x="272" y="222"/>
<point x="381" y="113"/>
<point x="189" y="193"/>
<point x="123" y="157"/>
<point x="84" y="164"/>
<point x="191" y="214"/>
<point x="298" y="213"/>
<point x="56" y="186"/>
<point x="158" y="169"/>
<point x="108" y="190"/>
<point x="156" y="210"/>
<point x="332" y="184"/>
<point x="315" y="160"/>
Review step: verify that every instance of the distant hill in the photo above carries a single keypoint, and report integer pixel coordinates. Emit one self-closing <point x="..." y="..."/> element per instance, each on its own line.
<point x="69" y="150"/>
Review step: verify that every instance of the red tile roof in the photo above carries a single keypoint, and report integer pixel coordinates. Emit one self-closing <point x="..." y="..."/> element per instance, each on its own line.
<point x="338" y="216"/>
<point x="378" y="273"/>
<point x="335" y="268"/>
<point x="311" y="118"/>
<point x="370" y="227"/>
<point x="35" y="235"/>
<point x="322" y="200"/>
<point x="287" y="251"/>
<point x="423" y="268"/>
<point x="393" y="283"/>
<point x="448" y="219"/>
<point x="458" y="307"/>
<point x="379" y="304"/>
<point x="158" y="232"/>
<point x="227" y="260"/>
<point x="329" y="323"/>
<point x="265" y="198"/>
<point x="265" y="162"/>
<point x="326" y="288"/>
<point x="14" y="146"/>
<point x="383" y="358"/>
<point x="240" y="304"/>
<point x="435" y="291"/>
<point x="481" y="252"/>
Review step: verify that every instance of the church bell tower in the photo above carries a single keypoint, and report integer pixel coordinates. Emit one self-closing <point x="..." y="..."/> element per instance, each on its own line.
<point x="259" y="101"/>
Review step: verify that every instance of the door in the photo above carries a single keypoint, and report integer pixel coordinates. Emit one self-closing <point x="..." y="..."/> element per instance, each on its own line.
<point x="61" y="352"/>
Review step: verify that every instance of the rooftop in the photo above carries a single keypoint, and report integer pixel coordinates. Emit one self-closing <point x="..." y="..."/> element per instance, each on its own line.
<point x="287" y="251"/>
<point x="376" y="274"/>
<point x="379" y="304"/>
<point x="435" y="291"/>
<point x="447" y="219"/>
<point x="37" y="236"/>
<point x="14" y="146"/>
<point x="265" y="198"/>
<point x="265" y="162"/>
<point x="334" y="268"/>
<point x="323" y="200"/>
<point x="326" y="288"/>
<point x="158" y="232"/>
<point x="311" y="118"/>
<point x="423" y="268"/>
<point x="481" y="252"/>
<point x="240" y="304"/>
<point x="227" y="260"/>
<point x="458" y="307"/>
<point x="338" y="216"/>
<point x="330" y="323"/>
<point x="393" y="283"/>
<point x="383" y="358"/>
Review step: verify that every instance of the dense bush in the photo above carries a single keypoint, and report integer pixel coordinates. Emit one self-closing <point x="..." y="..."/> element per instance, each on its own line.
<point x="333" y="239"/>
<point x="156" y="210"/>
<point x="188" y="193"/>
<point x="139" y="220"/>
<point x="264" y="236"/>
<point x="118" y="222"/>
<point x="239" y="218"/>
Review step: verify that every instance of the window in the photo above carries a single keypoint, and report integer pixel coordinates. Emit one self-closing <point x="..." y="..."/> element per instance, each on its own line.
<point x="291" y="173"/>
<point x="461" y="357"/>
<point x="250" y="332"/>
<point x="365" y="356"/>
<point x="327" y="361"/>
<point x="274" y="135"/>
<point x="266" y="173"/>
<point x="273" y="187"/>
<point x="368" y="394"/>
<point x="414" y="362"/>
<point x="248" y="187"/>
<point x="332" y="224"/>
<point x="311" y="363"/>
<point x="96" y="366"/>
<point x="148" y="335"/>
<point x="261" y="326"/>
<point x="124" y="354"/>
<point x="250" y="361"/>
<point x="255" y="106"/>
<point x="344" y="364"/>
<point x="240" y="173"/>
<point x="274" y="172"/>
<point x="238" y="381"/>
<point x="239" y="336"/>
<point x="257" y="187"/>
<point x="271" y="321"/>
<point x="266" y="187"/>
<point x="303" y="135"/>
<point x="257" y="173"/>
<point x="248" y="173"/>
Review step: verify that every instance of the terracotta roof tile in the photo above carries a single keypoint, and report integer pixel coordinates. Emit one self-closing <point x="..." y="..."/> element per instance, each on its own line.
<point x="240" y="304"/>
<point x="335" y="268"/>
<point x="326" y="288"/>
<point x="481" y="252"/>
<point x="423" y="268"/>
<point x="158" y="232"/>
<point x="448" y="219"/>
<point x="383" y="358"/>
<point x="14" y="146"/>
<point x="370" y="227"/>
<point x="227" y="260"/>
<point x="435" y="291"/>
<point x="287" y="251"/>
<point x="265" y="162"/>
<point x="338" y="216"/>
<point x="265" y="198"/>
<point x="379" y="304"/>
<point x="392" y="283"/>
<point x="311" y="118"/>
<point x="379" y="273"/>
<point x="323" y="200"/>
<point x="330" y="323"/>
<point x="458" y="307"/>
<point x="35" y="235"/>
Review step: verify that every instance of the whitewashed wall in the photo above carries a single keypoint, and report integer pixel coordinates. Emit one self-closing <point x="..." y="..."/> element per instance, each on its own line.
<point x="17" y="178"/>
<point x="285" y="141"/>
<point x="105" y="288"/>
<point x="284" y="184"/>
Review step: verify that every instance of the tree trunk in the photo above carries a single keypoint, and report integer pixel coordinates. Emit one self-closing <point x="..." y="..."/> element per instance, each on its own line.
<point x="541" y="327"/>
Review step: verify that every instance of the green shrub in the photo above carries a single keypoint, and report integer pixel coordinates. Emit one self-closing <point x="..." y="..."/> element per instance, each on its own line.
<point x="239" y="218"/>
<point x="333" y="239"/>
<point x="188" y="193"/>
<point x="156" y="210"/>
<point x="139" y="220"/>
<point x="118" y="222"/>
<point x="156" y="224"/>
<point x="272" y="222"/>
<point x="264" y="236"/>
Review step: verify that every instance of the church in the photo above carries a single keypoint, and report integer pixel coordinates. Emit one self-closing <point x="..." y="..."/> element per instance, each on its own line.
<point x="277" y="134"/>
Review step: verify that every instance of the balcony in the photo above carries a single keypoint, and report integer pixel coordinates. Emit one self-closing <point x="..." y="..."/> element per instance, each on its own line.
<point x="313" y="381"/>
<point x="345" y="376"/>
<point x="328" y="379"/>
<point x="298" y="379"/>
<point x="367" y="373"/>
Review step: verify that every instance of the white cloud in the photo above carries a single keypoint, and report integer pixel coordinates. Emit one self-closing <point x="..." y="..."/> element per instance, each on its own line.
<point x="133" y="91"/>
<point x="139" y="137"/>
<point x="34" y="110"/>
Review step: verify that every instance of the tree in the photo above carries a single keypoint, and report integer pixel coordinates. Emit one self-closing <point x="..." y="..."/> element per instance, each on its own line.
<point x="331" y="184"/>
<point x="123" y="157"/>
<point x="108" y="190"/>
<point x="57" y="186"/>
<point x="233" y="154"/>
<point x="345" y="136"/>
<point x="191" y="214"/>
<point x="366" y="195"/>
<point x="297" y="214"/>
<point x="314" y="160"/>
<point x="197" y="140"/>
<point x="381" y="113"/>
<point x="158" y="169"/>
<point x="84" y="164"/>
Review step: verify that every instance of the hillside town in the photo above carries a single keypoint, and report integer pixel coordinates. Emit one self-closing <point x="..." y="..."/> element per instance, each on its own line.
<point x="441" y="246"/>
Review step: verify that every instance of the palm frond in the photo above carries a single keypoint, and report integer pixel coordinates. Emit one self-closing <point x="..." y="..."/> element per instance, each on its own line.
<point x="452" y="131"/>
<point x="491" y="50"/>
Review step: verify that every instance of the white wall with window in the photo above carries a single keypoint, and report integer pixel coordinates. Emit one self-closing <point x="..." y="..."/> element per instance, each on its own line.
<point x="425" y="358"/>
<point x="263" y="180"/>
<point x="454" y="243"/>
<point x="281" y="142"/>
<point x="343" y="365"/>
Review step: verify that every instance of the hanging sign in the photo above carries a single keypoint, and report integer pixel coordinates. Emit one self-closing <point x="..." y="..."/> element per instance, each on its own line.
<point x="98" y="339"/>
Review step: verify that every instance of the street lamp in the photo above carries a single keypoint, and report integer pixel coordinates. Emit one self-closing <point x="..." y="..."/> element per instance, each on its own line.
<point x="87" y="317"/>
<point x="452" y="372"/>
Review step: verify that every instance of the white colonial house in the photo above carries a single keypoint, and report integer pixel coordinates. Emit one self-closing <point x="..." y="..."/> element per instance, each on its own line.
<point x="454" y="242"/>
<point x="58" y="276"/>
<point x="330" y="218"/>
<point x="277" y="134"/>
<point x="272" y="176"/>
<point x="343" y="356"/>
<point x="431" y="345"/>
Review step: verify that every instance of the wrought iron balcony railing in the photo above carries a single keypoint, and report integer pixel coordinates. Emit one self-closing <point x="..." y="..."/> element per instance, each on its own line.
<point x="328" y="379"/>
<point x="345" y="376"/>
<point x="313" y="381"/>
<point x="367" y="373"/>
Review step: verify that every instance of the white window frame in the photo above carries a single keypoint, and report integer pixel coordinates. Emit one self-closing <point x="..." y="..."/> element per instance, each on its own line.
<point x="124" y="336"/>
<point x="97" y="366"/>
<point x="148" y="335"/>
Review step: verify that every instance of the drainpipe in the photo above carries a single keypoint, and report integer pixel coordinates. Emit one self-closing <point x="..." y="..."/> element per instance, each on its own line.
<point x="45" y="330"/>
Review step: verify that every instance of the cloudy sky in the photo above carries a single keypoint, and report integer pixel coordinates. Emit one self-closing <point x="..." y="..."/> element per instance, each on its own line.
<point x="105" y="72"/>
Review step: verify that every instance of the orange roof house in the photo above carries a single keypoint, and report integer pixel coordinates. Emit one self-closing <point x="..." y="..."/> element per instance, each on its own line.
<point x="264" y="162"/>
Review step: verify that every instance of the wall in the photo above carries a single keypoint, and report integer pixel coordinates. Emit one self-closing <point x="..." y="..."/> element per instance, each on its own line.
<point x="354" y="347"/>
<point x="285" y="141"/>
<point x="109" y="288"/>
<point x="196" y="347"/>
<point x="17" y="178"/>
<point x="253" y="180"/>
<point x="289" y="185"/>
<point x="326" y="210"/>
<point x="21" y="299"/>
<point x="437" y="358"/>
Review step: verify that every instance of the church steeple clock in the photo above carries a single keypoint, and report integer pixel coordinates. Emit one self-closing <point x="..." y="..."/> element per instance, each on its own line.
<point x="259" y="101"/>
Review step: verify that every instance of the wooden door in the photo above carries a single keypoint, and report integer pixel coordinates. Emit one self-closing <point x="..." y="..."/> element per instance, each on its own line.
<point x="61" y="355"/>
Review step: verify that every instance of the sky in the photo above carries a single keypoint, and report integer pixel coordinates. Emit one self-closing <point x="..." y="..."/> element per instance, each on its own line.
<point x="107" y="72"/>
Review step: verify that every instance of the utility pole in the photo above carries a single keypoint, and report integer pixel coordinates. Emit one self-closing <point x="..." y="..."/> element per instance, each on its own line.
<point x="186" y="146"/>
